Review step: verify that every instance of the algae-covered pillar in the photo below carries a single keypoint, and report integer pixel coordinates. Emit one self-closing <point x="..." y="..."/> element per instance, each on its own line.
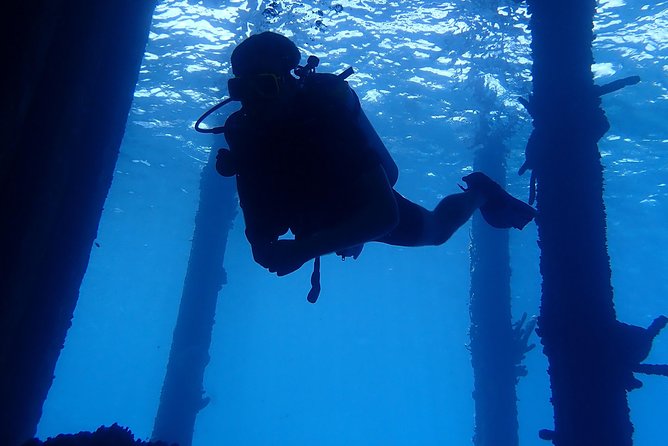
<point x="492" y="343"/>
<point x="497" y="345"/>
<point x="69" y="77"/>
<point x="577" y="317"/>
<point x="183" y="390"/>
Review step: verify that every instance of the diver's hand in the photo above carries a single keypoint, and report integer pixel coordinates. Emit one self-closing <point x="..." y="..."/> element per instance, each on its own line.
<point x="225" y="164"/>
<point x="282" y="256"/>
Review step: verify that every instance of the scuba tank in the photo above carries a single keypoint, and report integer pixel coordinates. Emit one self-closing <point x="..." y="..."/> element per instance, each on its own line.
<point x="317" y="88"/>
<point x="374" y="141"/>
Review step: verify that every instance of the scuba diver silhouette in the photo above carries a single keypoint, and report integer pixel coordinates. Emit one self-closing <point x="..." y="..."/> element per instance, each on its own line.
<point x="306" y="159"/>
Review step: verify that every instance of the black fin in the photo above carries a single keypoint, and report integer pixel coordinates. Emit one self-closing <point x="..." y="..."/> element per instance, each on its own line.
<point x="501" y="210"/>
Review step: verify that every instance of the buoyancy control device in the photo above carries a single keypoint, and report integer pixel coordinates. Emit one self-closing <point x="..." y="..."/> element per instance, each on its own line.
<point x="315" y="87"/>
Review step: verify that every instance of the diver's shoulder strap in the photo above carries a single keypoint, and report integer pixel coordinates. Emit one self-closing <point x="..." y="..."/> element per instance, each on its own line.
<point x="327" y="95"/>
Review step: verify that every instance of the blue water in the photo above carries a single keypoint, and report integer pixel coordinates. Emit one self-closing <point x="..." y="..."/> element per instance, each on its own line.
<point x="382" y="357"/>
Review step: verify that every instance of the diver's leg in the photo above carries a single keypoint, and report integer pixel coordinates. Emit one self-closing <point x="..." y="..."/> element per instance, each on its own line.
<point x="421" y="227"/>
<point x="451" y="214"/>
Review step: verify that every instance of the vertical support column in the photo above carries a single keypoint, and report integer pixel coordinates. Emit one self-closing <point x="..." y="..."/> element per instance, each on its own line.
<point x="493" y="346"/>
<point x="69" y="90"/>
<point x="577" y="317"/>
<point x="183" y="388"/>
<point x="497" y="345"/>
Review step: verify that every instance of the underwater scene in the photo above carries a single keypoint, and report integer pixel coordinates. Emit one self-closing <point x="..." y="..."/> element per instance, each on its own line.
<point x="384" y="355"/>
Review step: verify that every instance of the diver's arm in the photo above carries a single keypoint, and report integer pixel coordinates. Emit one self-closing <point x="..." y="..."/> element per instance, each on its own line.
<point x="263" y="227"/>
<point x="377" y="216"/>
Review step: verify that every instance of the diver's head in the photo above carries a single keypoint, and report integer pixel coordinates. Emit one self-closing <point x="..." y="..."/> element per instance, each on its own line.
<point x="261" y="65"/>
<point x="266" y="52"/>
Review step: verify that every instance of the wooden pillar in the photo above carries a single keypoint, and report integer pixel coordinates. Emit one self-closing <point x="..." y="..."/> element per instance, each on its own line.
<point x="577" y="317"/>
<point x="69" y="81"/>
<point x="496" y="348"/>
<point x="183" y="389"/>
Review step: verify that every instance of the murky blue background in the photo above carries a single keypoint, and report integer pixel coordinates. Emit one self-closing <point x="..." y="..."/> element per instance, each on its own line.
<point x="382" y="357"/>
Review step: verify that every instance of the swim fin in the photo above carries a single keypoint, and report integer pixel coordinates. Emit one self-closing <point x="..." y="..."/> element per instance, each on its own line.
<point x="501" y="209"/>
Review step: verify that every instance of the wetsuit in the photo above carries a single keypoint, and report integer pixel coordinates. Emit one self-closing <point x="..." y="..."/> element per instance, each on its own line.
<point x="298" y="172"/>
